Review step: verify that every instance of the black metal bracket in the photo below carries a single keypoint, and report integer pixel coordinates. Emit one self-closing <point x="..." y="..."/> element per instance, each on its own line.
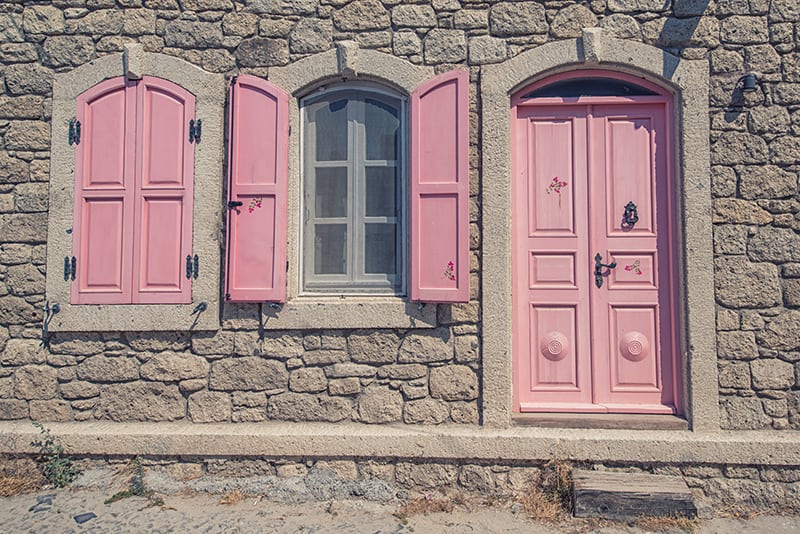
<point x="74" y="135"/>
<point x="598" y="269"/>
<point x="70" y="268"/>
<point x="195" y="130"/>
<point x="233" y="204"/>
<point x="49" y="312"/>
<point x="192" y="267"/>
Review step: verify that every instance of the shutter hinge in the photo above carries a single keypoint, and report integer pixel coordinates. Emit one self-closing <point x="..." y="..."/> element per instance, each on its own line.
<point x="192" y="267"/>
<point x="195" y="130"/>
<point x="70" y="268"/>
<point x="74" y="135"/>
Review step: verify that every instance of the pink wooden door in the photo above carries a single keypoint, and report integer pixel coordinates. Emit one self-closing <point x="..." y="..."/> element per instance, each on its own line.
<point x="579" y="347"/>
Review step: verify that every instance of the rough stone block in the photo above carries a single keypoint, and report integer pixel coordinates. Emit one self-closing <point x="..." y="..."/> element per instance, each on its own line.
<point x="50" y="410"/>
<point x="43" y="19"/>
<point x="248" y="373"/>
<point x="742" y="413"/>
<point x="22" y="352"/>
<point x="141" y="401"/>
<point x="426" y="411"/>
<point x="361" y="15"/>
<point x="213" y="343"/>
<point x="12" y="408"/>
<point x="453" y="383"/>
<point x="734" y="375"/>
<point x="193" y="35"/>
<point x="78" y="389"/>
<point x="210" y="407"/>
<point x="774" y="245"/>
<point x="426" y="347"/>
<point x="507" y="19"/>
<point x="343" y="370"/>
<point x="782" y="332"/>
<point x="28" y="135"/>
<point x="737" y="345"/>
<point x="741" y="284"/>
<point x="307" y="407"/>
<point x="413" y="16"/>
<point x="380" y="405"/>
<point x="173" y="367"/>
<point x="485" y="49"/>
<point x="766" y="181"/>
<point x="425" y="476"/>
<point x="108" y="369"/>
<point x="445" y="46"/>
<point x="67" y="50"/>
<point x="310" y="36"/>
<point x="311" y="380"/>
<point x="373" y="347"/>
<point x="772" y="374"/>
<point x="28" y="78"/>
<point x="344" y="386"/>
<point x="739" y="29"/>
<point x="35" y="382"/>
<point x="571" y="20"/>
<point x="738" y="147"/>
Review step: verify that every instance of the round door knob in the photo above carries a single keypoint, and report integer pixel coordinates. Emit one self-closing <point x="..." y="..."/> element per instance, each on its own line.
<point x="554" y="346"/>
<point x="634" y="346"/>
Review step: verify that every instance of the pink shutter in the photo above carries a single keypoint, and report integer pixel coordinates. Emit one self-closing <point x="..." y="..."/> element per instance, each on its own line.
<point x="103" y="207"/>
<point x="440" y="189"/>
<point x="257" y="192"/>
<point x="164" y="193"/>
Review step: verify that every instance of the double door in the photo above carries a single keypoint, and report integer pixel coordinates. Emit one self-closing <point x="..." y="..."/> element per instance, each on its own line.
<point x="593" y="282"/>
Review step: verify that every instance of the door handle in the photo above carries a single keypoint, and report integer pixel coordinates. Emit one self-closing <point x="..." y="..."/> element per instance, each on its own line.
<point x="598" y="269"/>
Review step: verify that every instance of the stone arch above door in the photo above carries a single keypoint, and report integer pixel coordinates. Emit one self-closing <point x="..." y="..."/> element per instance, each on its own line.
<point x="688" y="81"/>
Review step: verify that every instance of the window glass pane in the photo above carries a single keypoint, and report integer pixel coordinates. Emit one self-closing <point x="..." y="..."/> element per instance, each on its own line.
<point x="381" y="190"/>
<point x="330" y="119"/>
<point x="590" y="87"/>
<point x="381" y="124"/>
<point x="330" y="249"/>
<point x="331" y="192"/>
<point x="380" y="246"/>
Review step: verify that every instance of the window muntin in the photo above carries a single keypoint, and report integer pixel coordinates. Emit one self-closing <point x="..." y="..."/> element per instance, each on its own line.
<point x="353" y="188"/>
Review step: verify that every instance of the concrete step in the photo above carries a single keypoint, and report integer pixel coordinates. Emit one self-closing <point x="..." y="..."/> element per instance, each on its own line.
<point x="626" y="496"/>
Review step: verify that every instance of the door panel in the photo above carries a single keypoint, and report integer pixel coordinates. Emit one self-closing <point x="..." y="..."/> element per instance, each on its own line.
<point x="579" y="347"/>
<point x="552" y="244"/>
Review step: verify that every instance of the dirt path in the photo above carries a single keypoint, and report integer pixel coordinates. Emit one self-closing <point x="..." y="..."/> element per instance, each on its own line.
<point x="56" y="511"/>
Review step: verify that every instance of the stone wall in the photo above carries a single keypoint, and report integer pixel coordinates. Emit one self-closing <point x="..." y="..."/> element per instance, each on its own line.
<point x="413" y="376"/>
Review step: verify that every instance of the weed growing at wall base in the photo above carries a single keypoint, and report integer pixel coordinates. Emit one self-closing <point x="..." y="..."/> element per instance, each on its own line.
<point x="58" y="469"/>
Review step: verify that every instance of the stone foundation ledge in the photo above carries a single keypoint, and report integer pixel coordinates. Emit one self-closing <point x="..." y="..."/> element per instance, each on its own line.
<point x="441" y="443"/>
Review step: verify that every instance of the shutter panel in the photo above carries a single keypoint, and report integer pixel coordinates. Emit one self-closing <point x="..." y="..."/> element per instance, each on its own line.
<point x="164" y="193"/>
<point x="440" y="189"/>
<point x="103" y="207"/>
<point x="258" y="172"/>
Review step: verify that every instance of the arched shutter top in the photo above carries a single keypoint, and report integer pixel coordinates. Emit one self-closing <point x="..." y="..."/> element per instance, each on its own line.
<point x="439" y="203"/>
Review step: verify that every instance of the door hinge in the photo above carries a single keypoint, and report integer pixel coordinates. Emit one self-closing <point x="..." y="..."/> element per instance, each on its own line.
<point x="195" y="130"/>
<point x="192" y="267"/>
<point x="233" y="204"/>
<point x="74" y="135"/>
<point x="70" y="268"/>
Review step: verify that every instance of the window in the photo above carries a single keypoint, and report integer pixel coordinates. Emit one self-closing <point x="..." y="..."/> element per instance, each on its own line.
<point x="349" y="204"/>
<point x="353" y="190"/>
<point x="131" y="197"/>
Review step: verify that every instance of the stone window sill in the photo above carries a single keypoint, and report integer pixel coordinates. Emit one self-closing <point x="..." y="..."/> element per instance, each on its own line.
<point x="319" y="312"/>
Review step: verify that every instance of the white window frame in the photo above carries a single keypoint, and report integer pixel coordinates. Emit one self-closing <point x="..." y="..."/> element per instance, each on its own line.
<point x="351" y="284"/>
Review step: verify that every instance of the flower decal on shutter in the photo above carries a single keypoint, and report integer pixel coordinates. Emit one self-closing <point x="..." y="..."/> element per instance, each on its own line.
<point x="449" y="273"/>
<point x="255" y="203"/>
<point x="634" y="267"/>
<point x="555" y="187"/>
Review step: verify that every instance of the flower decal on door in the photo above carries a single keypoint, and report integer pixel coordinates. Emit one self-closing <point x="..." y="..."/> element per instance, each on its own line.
<point x="555" y="187"/>
<point x="450" y="272"/>
<point x="254" y="203"/>
<point x="635" y="267"/>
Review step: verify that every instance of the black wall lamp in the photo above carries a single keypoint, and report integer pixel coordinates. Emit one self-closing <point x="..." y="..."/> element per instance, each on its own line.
<point x="749" y="82"/>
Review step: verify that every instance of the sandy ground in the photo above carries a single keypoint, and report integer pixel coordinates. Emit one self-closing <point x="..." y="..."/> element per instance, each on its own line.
<point x="56" y="511"/>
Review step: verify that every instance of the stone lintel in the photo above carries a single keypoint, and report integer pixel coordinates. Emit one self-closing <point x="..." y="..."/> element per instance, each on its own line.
<point x="592" y="41"/>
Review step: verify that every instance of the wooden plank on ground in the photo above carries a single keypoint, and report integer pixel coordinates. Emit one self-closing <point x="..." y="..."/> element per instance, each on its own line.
<point x="626" y="496"/>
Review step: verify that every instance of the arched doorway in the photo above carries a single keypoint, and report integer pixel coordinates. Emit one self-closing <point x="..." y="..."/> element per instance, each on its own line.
<point x="593" y="278"/>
